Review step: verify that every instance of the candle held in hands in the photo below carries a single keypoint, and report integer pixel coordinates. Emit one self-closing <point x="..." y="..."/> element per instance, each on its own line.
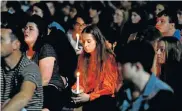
<point x="77" y="41"/>
<point x="77" y="83"/>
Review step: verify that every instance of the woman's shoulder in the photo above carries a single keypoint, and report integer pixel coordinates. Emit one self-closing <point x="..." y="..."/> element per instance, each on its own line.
<point x="111" y="58"/>
<point x="109" y="55"/>
<point x="47" y="50"/>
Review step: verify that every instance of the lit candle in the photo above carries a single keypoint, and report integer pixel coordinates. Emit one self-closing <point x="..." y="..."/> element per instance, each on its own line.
<point x="77" y="41"/>
<point x="77" y="83"/>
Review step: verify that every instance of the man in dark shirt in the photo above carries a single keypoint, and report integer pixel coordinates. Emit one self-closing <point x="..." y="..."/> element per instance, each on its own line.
<point x="21" y="85"/>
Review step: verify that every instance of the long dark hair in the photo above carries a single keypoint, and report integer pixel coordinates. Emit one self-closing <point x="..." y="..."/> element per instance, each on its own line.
<point x="42" y="28"/>
<point x="102" y="54"/>
<point x="173" y="49"/>
<point x="123" y="22"/>
<point x="45" y="10"/>
<point x="171" y="70"/>
<point x="101" y="48"/>
<point x="65" y="52"/>
<point x="173" y="58"/>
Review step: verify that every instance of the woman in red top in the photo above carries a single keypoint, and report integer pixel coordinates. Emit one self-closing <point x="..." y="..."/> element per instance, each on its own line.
<point x="98" y="72"/>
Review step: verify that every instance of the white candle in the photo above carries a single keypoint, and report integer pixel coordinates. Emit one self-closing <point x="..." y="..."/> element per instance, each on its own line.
<point x="77" y="83"/>
<point x="77" y="41"/>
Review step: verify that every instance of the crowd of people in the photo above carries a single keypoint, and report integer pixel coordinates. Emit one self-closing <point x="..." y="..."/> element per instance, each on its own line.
<point x="123" y="55"/>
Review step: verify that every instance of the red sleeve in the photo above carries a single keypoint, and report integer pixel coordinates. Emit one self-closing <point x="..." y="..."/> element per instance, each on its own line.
<point x="109" y="82"/>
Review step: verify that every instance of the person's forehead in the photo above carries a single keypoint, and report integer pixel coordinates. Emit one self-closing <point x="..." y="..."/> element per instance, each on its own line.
<point x="31" y="24"/>
<point x="164" y="17"/>
<point x="80" y="20"/>
<point x="36" y="8"/>
<point x="87" y="36"/>
<point x="134" y="13"/>
<point x="94" y="9"/>
<point x="49" y="3"/>
<point x="160" y="6"/>
<point x="119" y="11"/>
<point x="161" y="43"/>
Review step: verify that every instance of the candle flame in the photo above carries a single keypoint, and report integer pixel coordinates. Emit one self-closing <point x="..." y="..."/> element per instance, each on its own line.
<point x="77" y="35"/>
<point x="78" y="74"/>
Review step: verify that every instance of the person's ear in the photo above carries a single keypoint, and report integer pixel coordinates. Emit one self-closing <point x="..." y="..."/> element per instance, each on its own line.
<point x="139" y="66"/>
<point x="172" y="26"/>
<point x="16" y="44"/>
<point x="99" y="12"/>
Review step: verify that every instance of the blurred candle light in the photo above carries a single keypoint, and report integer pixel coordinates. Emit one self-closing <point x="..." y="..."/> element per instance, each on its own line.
<point x="77" y="83"/>
<point x="77" y="41"/>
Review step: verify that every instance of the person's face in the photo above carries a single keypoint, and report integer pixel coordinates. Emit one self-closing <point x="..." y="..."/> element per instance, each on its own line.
<point x="135" y="18"/>
<point x="66" y="10"/>
<point x="37" y="11"/>
<point x="92" y="12"/>
<point x="73" y="12"/>
<point x="163" y="24"/>
<point x="128" y="70"/>
<point x="89" y="43"/>
<point x="79" y="25"/>
<point x="179" y="15"/>
<point x="159" y="8"/>
<point x="31" y="33"/>
<point x="126" y="4"/>
<point x="118" y="16"/>
<point x="6" y="43"/>
<point x="161" y="52"/>
<point x="51" y="7"/>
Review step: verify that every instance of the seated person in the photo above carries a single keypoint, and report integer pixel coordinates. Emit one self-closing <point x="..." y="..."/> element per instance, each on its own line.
<point x="21" y="85"/>
<point x="142" y="90"/>
<point x="45" y="56"/>
<point x="78" y="26"/>
<point x="169" y="60"/>
<point x="98" y="73"/>
<point x="166" y="24"/>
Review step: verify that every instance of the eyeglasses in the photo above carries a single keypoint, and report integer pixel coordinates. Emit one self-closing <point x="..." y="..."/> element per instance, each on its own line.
<point x="80" y="25"/>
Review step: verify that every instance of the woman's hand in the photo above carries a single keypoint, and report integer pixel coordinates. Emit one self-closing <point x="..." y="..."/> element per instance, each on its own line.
<point x="83" y="97"/>
<point x="108" y="44"/>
